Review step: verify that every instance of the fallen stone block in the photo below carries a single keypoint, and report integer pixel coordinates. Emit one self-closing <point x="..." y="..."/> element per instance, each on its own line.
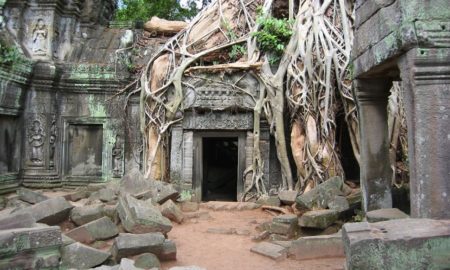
<point x="287" y="197"/>
<point x="127" y="244"/>
<point x="283" y="229"/>
<point x="78" y="194"/>
<point x="261" y="236"/>
<point x="16" y="221"/>
<point x="270" y="250"/>
<point x="279" y="237"/>
<point x="226" y="231"/>
<point x="111" y="212"/>
<point x="313" y="247"/>
<point x="285" y="225"/>
<point x="67" y="240"/>
<point x="30" y="248"/>
<point x="30" y="196"/>
<point x="338" y="203"/>
<point x="139" y="217"/>
<point x="171" y="211"/>
<point x="168" y="252"/>
<point x="320" y="219"/>
<point x="107" y="195"/>
<point x="397" y="244"/>
<point x="80" y="256"/>
<point x="269" y="200"/>
<point x="100" y="229"/>
<point x="50" y="212"/>
<point x="318" y="197"/>
<point x="84" y="214"/>
<point x="385" y="214"/>
<point x="147" y="261"/>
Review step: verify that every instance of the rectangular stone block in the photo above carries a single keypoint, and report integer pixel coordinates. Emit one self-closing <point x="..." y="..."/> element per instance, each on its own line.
<point x="398" y="244"/>
<point x="313" y="247"/>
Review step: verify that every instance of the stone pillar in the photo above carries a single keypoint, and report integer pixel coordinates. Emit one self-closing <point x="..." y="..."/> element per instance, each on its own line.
<point x="426" y="82"/>
<point x="372" y="97"/>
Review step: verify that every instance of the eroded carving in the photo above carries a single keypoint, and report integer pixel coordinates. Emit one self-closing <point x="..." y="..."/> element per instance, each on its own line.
<point x="117" y="156"/>
<point x="36" y="136"/>
<point x="40" y="34"/>
<point x="52" y="142"/>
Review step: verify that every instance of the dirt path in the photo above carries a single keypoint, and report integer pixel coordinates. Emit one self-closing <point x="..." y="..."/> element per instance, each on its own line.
<point x="231" y="252"/>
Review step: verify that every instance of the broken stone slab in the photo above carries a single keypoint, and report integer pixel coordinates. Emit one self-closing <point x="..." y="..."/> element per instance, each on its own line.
<point x="385" y="214"/>
<point x="226" y="231"/>
<point x="240" y="206"/>
<point x="84" y="214"/>
<point x="261" y="236"/>
<point x="139" y="217"/>
<point x="107" y="195"/>
<point x="171" y="211"/>
<point x="287" y="197"/>
<point x="80" y="256"/>
<point x="279" y="237"/>
<point x="319" y="196"/>
<point x="397" y="244"/>
<point x="147" y="261"/>
<point x="270" y="250"/>
<point x="285" y="225"/>
<point x="133" y="182"/>
<point x="30" y="248"/>
<point x="269" y="200"/>
<point x="127" y="244"/>
<point x="50" y="212"/>
<point x="16" y="221"/>
<point x="111" y="212"/>
<point x="16" y="203"/>
<point x="94" y="187"/>
<point x="128" y="264"/>
<point x="313" y="247"/>
<point x="320" y="219"/>
<point x="67" y="240"/>
<point x="100" y="229"/>
<point x="338" y="203"/>
<point x="30" y="196"/>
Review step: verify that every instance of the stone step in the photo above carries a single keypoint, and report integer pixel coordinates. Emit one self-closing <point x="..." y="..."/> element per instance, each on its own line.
<point x="273" y="251"/>
<point x="313" y="247"/>
<point x="239" y="206"/>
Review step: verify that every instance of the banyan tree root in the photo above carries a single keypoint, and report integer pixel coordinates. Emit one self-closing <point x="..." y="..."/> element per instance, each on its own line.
<point x="161" y="26"/>
<point x="317" y="86"/>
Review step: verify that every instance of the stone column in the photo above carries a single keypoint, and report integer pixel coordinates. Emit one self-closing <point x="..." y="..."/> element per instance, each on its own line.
<point x="426" y="82"/>
<point x="372" y="97"/>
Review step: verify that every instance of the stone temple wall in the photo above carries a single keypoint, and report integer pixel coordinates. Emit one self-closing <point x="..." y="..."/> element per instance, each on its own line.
<point x="60" y="121"/>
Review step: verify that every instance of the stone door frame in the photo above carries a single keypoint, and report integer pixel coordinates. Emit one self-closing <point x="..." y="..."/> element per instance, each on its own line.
<point x="197" y="182"/>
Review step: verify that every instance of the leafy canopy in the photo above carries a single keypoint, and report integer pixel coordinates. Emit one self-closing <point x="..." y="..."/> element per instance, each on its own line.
<point x="134" y="10"/>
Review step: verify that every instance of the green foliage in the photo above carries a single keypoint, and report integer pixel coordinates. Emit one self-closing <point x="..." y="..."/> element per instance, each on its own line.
<point x="10" y="55"/>
<point x="273" y="35"/>
<point x="237" y="51"/>
<point x="185" y="196"/>
<point x="133" y="10"/>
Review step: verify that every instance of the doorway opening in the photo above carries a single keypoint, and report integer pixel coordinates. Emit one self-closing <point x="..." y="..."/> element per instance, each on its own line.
<point x="220" y="169"/>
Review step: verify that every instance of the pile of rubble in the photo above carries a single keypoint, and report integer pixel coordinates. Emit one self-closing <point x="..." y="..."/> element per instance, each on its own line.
<point x="100" y="225"/>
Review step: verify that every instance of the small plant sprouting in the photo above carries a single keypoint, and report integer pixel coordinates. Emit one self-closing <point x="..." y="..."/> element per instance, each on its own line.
<point x="237" y="51"/>
<point x="10" y="55"/>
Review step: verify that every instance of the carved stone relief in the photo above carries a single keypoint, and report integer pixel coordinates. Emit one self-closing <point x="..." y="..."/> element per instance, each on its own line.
<point x="40" y="38"/>
<point x="52" y="142"/>
<point x="218" y="120"/>
<point x="117" y="157"/>
<point x="36" y="139"/>
<point x="13" y="21"/>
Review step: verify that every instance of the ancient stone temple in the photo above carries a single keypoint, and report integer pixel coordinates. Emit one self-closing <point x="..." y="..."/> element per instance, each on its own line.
<point x="57" y="123"/>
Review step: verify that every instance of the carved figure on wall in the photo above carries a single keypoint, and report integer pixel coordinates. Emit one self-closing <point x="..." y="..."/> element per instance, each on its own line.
<point x="117" y="155"/>
<point x="13" y="21"/>
<point x="40" y="34"/>
<point x="52" y="141"/>
<point x="36" y="137"/>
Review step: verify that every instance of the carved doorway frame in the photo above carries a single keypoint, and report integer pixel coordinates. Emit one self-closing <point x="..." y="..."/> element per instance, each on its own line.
<point x="197" y="182"/>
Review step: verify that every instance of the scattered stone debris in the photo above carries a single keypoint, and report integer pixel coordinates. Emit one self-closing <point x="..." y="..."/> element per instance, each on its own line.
<point x="100" y="229"/>
<point x="106" y="195"/>
<point x="320" y="196"/>
<point x="171" y="211"/>
<point x="187" y="206"/>
<point x="385" y="214"/>
<point x="287" y="197"/>
<point x="127" y="244"/>
<point x="270" y="250"/>
<point x="221" y="230"/>
<point x="17" y="221"/>
<point x="147" y="261"/>
<point x="80" y="256"/>
<point x="269" y="200"/>
<point x="84" y="214"/>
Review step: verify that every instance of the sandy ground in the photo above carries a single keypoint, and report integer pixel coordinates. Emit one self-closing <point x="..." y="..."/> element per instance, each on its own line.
<point x="231" y="252"/>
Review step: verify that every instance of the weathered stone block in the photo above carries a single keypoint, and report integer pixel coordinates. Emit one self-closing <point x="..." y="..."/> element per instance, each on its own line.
<point x="338" y="203"/>
<point x="127" y="244"/>
<point x="313" y="247"/>
<point x="269" y="200"/>
<point x="287" y="196"/>
<point x="168" y="252"/>
<point x="30" y="196"/>
<point x="80" y="256"/>
<point x="127" y="264"/>
<point x="397" y="244"/>
<point x="385" y="214"/>
<point x="320" y="219"/>
<point x="147" y="261"/>
<point x="270" y="250"/>
<point x="16" y="221"/>
<point x="319" y="196"/>
<point x="107" y="195"/>
<point x="139" y="217"/>
<point x="30" y="248"/>
<point x="51" y="211"/>
<point x="84" y="214"/>
<point x="100" y="229"/>
<point x="171" y="211"/>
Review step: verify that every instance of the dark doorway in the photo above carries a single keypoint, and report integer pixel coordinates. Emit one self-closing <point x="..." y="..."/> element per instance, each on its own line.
<point x="220" y="169"/>
<point x="348" y="159"/>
